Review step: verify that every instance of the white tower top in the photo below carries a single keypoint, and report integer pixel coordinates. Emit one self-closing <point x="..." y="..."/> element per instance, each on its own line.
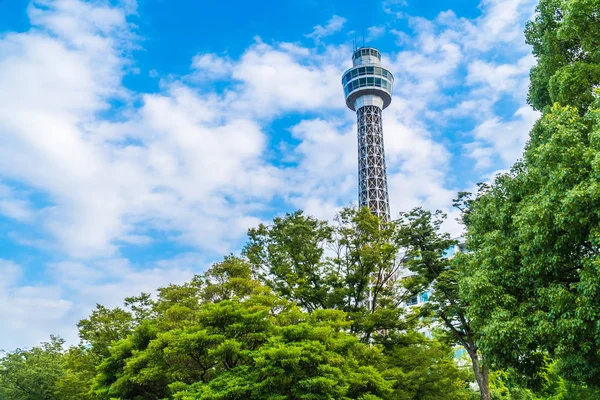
<point x="369" y="78"/>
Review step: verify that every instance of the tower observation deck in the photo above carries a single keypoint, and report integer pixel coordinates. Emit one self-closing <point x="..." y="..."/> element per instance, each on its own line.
<point x="368" y="91"/>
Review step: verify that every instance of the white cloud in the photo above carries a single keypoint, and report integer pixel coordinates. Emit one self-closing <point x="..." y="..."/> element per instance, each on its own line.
<point x="325" y="177"/>
<point x="334" y="25"/>
<point x="506" y="137"/>
<point x="393" y="6"/>
<point x="26" y="311"/>
<point x="196" y="164"/>
<point x="211" y="66"/>
<point x="482" y="155"/>
<point x="14" y="205"/>
<point x="501" y="78"/>
<point x="30" y="313"/>
<point x="191" y="161"/>
<point x="375" y="32"/>
<point x="275" y="80"/>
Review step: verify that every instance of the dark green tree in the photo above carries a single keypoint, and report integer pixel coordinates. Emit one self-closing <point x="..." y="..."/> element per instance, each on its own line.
<point x="532" y="282"/>
<point x="419" y="231"/>
<point x="105" y="326"/>
<point x="288" y="256"/>
<point x="313" y="358"/>
<point x="565" y="38"/>
<point x="34" y="374"/>
<point x="351" y="266"/>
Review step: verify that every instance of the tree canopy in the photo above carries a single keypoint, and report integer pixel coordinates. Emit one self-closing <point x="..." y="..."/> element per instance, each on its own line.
<point x="533" y="282"/>
<point x="225" y="335"/>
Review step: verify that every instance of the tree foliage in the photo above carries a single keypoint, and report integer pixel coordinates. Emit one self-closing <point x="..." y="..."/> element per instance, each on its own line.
<point x="263" y="328"/>
<point x="565" y="38"/>
<point x="419" y="232"/>
<point x="351" y="266"/>
<point x="533" y="282"/>
<point x="46" y="372"/>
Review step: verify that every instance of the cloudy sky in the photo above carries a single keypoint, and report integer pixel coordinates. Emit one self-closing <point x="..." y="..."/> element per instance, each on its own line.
<point x="140" y="140"/>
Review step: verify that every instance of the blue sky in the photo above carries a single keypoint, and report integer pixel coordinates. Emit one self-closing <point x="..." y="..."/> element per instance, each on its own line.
<point x="140" y="140"/>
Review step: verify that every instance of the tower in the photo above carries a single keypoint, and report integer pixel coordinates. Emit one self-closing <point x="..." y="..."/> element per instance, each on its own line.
<point x="368" y="91"/>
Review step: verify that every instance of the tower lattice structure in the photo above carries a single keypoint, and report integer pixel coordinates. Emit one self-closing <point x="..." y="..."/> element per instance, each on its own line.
<point x="368" y="91"/>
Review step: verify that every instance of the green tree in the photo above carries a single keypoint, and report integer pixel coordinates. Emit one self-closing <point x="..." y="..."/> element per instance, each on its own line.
<point x="105" y="326"/>
<point x="532" y="281"/>
<point x="506" y="385"/>
<point x="410" y="363"/>
<point x="367" y="257"/>
<point x="419" y="231"/>
<point x="228" y="279"/>
<point x="565" y="38"/>
<point x="288" y="257"/>
<point x="226" y="336"/>
<point x="200" y="328"/>
<point x="80" y="369"/>
<point x="364" y="255"/>
<point x="311" y="359"/>
<point x="351" y="266"/>
<point x="33" y="374"/>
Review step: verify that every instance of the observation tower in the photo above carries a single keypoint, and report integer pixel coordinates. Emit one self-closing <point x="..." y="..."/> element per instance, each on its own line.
<point x="368" y="91"/>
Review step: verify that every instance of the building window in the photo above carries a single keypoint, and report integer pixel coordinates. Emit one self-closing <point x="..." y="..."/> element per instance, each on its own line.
<point x="414" y="300"/>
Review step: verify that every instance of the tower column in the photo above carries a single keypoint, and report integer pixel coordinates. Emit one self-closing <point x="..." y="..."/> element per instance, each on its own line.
<point x="372" y="176"/>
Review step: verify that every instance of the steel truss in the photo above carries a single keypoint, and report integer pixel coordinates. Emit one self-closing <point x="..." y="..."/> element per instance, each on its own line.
<point x="372" y="177"/>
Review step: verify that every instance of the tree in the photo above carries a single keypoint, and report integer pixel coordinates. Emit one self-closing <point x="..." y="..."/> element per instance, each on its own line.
<point x="33" y="374"/>
<point x="507" y="385"/>
<point x="105" y="326"/>
<point x="420" y="233"/>
<point x="310" y="359"/>
<point x="367" y="257"/>
<point x="228" y="279"/>
<point x="564" y="36"/>
<point x="226" y="336"/>
<point x="288" y="257"/>
<point x="363" y="253"/>
<point x="241" y="348"/>
<point x="409" y="364"/>
<point x="532" y="281"/>
<point x="351" y="266"/>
